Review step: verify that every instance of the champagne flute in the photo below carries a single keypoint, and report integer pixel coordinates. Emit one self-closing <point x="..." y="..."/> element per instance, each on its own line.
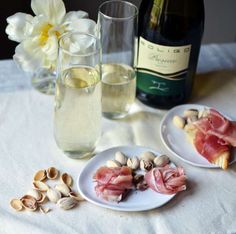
<point x="77" y="119"/>
<point x="117" y="24"/>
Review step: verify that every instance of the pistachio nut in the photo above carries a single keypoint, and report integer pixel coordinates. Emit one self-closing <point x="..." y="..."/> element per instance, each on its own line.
<point x="147" y="156"/>
<point x="161" y="161"/>
<point x="133" y="163"/>
<point x="113" y="163"/>
<point x="67" y="203"/>
<point x="63" y="189"/>
<point x="146" y="165"/>
<point x="121" y="158"/>
<point x="190" y="113"/>
<point x="178" y="121"/>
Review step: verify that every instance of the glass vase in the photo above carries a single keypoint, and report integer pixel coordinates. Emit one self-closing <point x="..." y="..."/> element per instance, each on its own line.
<point x="44" y="80"/>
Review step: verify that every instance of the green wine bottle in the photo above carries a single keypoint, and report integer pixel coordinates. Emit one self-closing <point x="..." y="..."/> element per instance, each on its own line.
<point x="170" y="33"/>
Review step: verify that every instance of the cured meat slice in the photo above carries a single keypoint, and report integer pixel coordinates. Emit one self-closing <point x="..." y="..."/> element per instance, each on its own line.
<point x="229" y="136"/>
<point x="212" y="148"/>
<point x="113" y="183"/>
<point x="209" y="146"/>
<point x="216" y="124"/>
<point x="166" y="180"/>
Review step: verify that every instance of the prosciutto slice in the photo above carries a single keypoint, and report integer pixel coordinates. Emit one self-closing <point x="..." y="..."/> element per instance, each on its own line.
<point x="216" y="124"/>
<point x="210" y="146"/>
<point x="112" y="184"/>
<point x="166" y="180"/>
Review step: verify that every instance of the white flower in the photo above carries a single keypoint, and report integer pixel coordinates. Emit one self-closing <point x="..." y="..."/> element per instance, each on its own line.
<point x="39" y="35"/>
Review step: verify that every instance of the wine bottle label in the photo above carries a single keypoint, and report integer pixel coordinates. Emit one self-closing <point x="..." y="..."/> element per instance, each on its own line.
<point x="161" y="70"/>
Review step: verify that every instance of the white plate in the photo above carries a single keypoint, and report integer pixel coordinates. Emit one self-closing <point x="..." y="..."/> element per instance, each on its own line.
<point x="175" y="140"/>
<point x="136" y="200"/>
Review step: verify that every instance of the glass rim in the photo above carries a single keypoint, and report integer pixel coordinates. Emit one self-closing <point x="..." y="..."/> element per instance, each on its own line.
<point x="68" y="34"/>
<point x="118" y="18"/>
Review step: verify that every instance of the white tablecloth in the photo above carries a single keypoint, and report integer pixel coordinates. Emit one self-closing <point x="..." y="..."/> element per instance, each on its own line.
<point x="27" y="145"/>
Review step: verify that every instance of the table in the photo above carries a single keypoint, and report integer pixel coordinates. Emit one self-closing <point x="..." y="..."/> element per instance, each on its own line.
<point x="27" y="145"/>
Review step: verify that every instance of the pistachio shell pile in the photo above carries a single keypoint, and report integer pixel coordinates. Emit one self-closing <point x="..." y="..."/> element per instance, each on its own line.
<point x="146" y="161"/>
<point x="61" y="194"/>
<point x="189" y="116"/>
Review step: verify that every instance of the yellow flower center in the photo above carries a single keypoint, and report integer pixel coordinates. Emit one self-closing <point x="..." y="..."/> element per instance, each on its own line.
<point x="44" y="34"/>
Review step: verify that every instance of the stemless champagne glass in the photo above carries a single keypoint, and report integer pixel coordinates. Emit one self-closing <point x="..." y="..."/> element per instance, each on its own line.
<point x="77" y="118"/>
<point x="117" y="24"/>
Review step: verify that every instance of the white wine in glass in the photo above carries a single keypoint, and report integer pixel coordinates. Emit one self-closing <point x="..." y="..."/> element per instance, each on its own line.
<point x="78" y="109"/>
<point x="118" y="89"/>
<point x="78" y="106"/>
<point x="117" y="23"/>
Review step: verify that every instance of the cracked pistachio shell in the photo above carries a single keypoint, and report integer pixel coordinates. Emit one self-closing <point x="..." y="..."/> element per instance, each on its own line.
<point x="41" y="186"/>
<point x="52" y="173"/>
<point x="16" y="204"/>
<point x="66" y="179"/>
<point x="43" y="199"/>
<point x="29" y="203"/>
<point x="40" y="175"/>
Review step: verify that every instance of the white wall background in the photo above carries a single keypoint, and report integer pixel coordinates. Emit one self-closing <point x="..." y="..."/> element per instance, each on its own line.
<point x="220" y="20"/>
<point x="220" y="23"/>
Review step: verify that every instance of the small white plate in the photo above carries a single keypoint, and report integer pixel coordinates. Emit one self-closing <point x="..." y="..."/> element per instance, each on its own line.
<point x="175" y="140"/>
<point x="136" y="200"/>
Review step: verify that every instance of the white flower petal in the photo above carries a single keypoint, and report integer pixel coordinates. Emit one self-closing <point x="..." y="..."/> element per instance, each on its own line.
<point x="27" y="57"/>
<point x="19" y="26"/>
<point x="30" y="57"/>
<point x="78" y="44"/>
<point x="57" y="30"/>
<point x="53" y="10"/>
<point x="75" y="15"/>
<point x="51" y="48"/>
<point x="41" y="28"/>
<point x="82" y="25"/>
<point x="38" y="22"/>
